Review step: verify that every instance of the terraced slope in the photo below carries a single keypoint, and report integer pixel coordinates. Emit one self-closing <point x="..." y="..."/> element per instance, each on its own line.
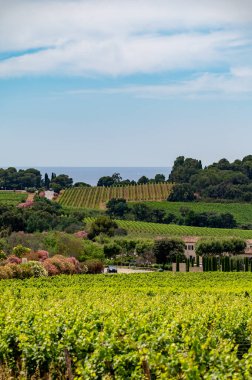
<point x="96" y="197"/>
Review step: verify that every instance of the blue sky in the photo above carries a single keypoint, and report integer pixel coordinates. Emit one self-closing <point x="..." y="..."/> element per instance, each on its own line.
<point x="129" y="83"/>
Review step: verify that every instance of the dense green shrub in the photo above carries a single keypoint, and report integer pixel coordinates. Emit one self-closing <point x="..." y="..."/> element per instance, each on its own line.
<point x="112" y="249"/>
<point x="38" y="270"/>
<point x="167" y="250"/>
<point x="94" y="266"/>
<point x="232" y="246"/>
<point x="91" y="250"/>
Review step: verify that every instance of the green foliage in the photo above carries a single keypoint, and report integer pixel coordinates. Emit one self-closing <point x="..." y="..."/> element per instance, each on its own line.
<point x="159" y="178"/>
<point x="13" y="179"/>
<point x="144" y="246"/>
<point x="42" y="215"/>
<point x="167" y="250"/>
<point x="20" y="251"/>
<point x="102" y="225"/>
<point x="184" y="325"/>
<point x="242" y="212"/>
<point x="220" y="246"/>
<point x="81" y="184"/>
<point x="181" y="193"/>
<point x="183" y="169"/>
<point x="94" y="266"/>
<point x="143" y="229"/>
<point x="37" y="269"/>
<point x="221" y="180"/>
<point x="117" y="208"/>
<point x="12" y="198"/>
<point x="91" y="250"/>
<point x="112" y="249"/>
<point x="143" y="180"/>
<point x="61" y="182"/>
<point x="62" y="243"/>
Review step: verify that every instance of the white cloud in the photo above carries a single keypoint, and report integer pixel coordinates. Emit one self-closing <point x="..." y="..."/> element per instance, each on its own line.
<point x="123" y="37"/>
<point x="116" y="56"/>
<point x="236" y="83"/>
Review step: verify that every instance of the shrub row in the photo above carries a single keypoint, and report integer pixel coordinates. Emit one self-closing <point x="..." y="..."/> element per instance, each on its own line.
<point x="14" y="268"/>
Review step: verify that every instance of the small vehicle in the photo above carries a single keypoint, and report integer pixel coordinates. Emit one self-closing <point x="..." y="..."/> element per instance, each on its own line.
<point x="111" y="269"/>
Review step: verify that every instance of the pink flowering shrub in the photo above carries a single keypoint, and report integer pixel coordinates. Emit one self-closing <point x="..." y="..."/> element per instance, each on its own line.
<point x="81" y="234"/>
<point x="26" y="204"/>
<point x="76" y="263"/>
<point x="40" y="255"/>
<point x="61" y="265"/>
<point x="43" y="255"/>
<point x="12" y="259"/>
<point x="51" y="268"/>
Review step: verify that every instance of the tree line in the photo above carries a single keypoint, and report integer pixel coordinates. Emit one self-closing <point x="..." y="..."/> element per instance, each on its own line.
<point x="116" y="180"/>
<point x="222" y="180"/>
<point x="31" y="179"/>
<point x="120" y="209"/>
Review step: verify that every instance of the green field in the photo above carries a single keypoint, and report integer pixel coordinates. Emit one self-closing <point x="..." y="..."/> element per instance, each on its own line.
<point x="242" y="212"/>
<point x="156" y="229"/>
<point x="97" y="197"/>
<point x="12" y="197"/>
<point x="163" y="326"/>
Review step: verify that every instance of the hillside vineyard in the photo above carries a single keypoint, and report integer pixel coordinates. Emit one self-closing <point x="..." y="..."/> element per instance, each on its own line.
<point x="96" y="197"/>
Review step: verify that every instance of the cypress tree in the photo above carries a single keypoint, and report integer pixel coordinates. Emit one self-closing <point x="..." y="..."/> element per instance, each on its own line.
<point x="238" y="265"/>
<point x="227" y="264"/>
<point x="231" y="265"/>
<point x="204" y="263"/>
<point x="187" y="265"/>
<point x="210" y="264"/>
<point x="197" y="261"/>
<point x="47" y="181"/>
<point x="222" y="264"/>
<point x="246" y="262"/>
<point x="177" y="264"/>
<point x="215" y="263"/>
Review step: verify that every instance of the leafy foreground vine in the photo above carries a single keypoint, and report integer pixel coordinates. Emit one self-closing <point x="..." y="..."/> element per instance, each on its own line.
<point x="141" y="326"/>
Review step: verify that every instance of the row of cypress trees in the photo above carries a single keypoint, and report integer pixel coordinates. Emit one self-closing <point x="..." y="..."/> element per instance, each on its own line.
<point x="215" y="263"/>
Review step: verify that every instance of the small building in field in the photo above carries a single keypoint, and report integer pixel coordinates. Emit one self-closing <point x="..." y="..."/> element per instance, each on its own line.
<point x="248" y="250"/>
<point x="190" y="243"/>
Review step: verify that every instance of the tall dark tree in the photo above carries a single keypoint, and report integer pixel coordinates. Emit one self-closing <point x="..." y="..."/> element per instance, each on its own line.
<point x="183" y="169"/>
<point x="47" y="181"/>
<point x="167" y="250"/>
<point x="117" y="208"/>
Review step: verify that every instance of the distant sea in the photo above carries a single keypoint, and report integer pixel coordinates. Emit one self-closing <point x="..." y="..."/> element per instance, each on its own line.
<point x="92" y="174"/>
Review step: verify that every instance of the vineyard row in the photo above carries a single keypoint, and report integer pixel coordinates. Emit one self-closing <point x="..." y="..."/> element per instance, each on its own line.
<point x="156" y="229"/>
<point x="96" y="197"/>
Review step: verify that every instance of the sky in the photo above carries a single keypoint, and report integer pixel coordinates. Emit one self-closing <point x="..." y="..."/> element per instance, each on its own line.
<point x="124" y="82"/>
